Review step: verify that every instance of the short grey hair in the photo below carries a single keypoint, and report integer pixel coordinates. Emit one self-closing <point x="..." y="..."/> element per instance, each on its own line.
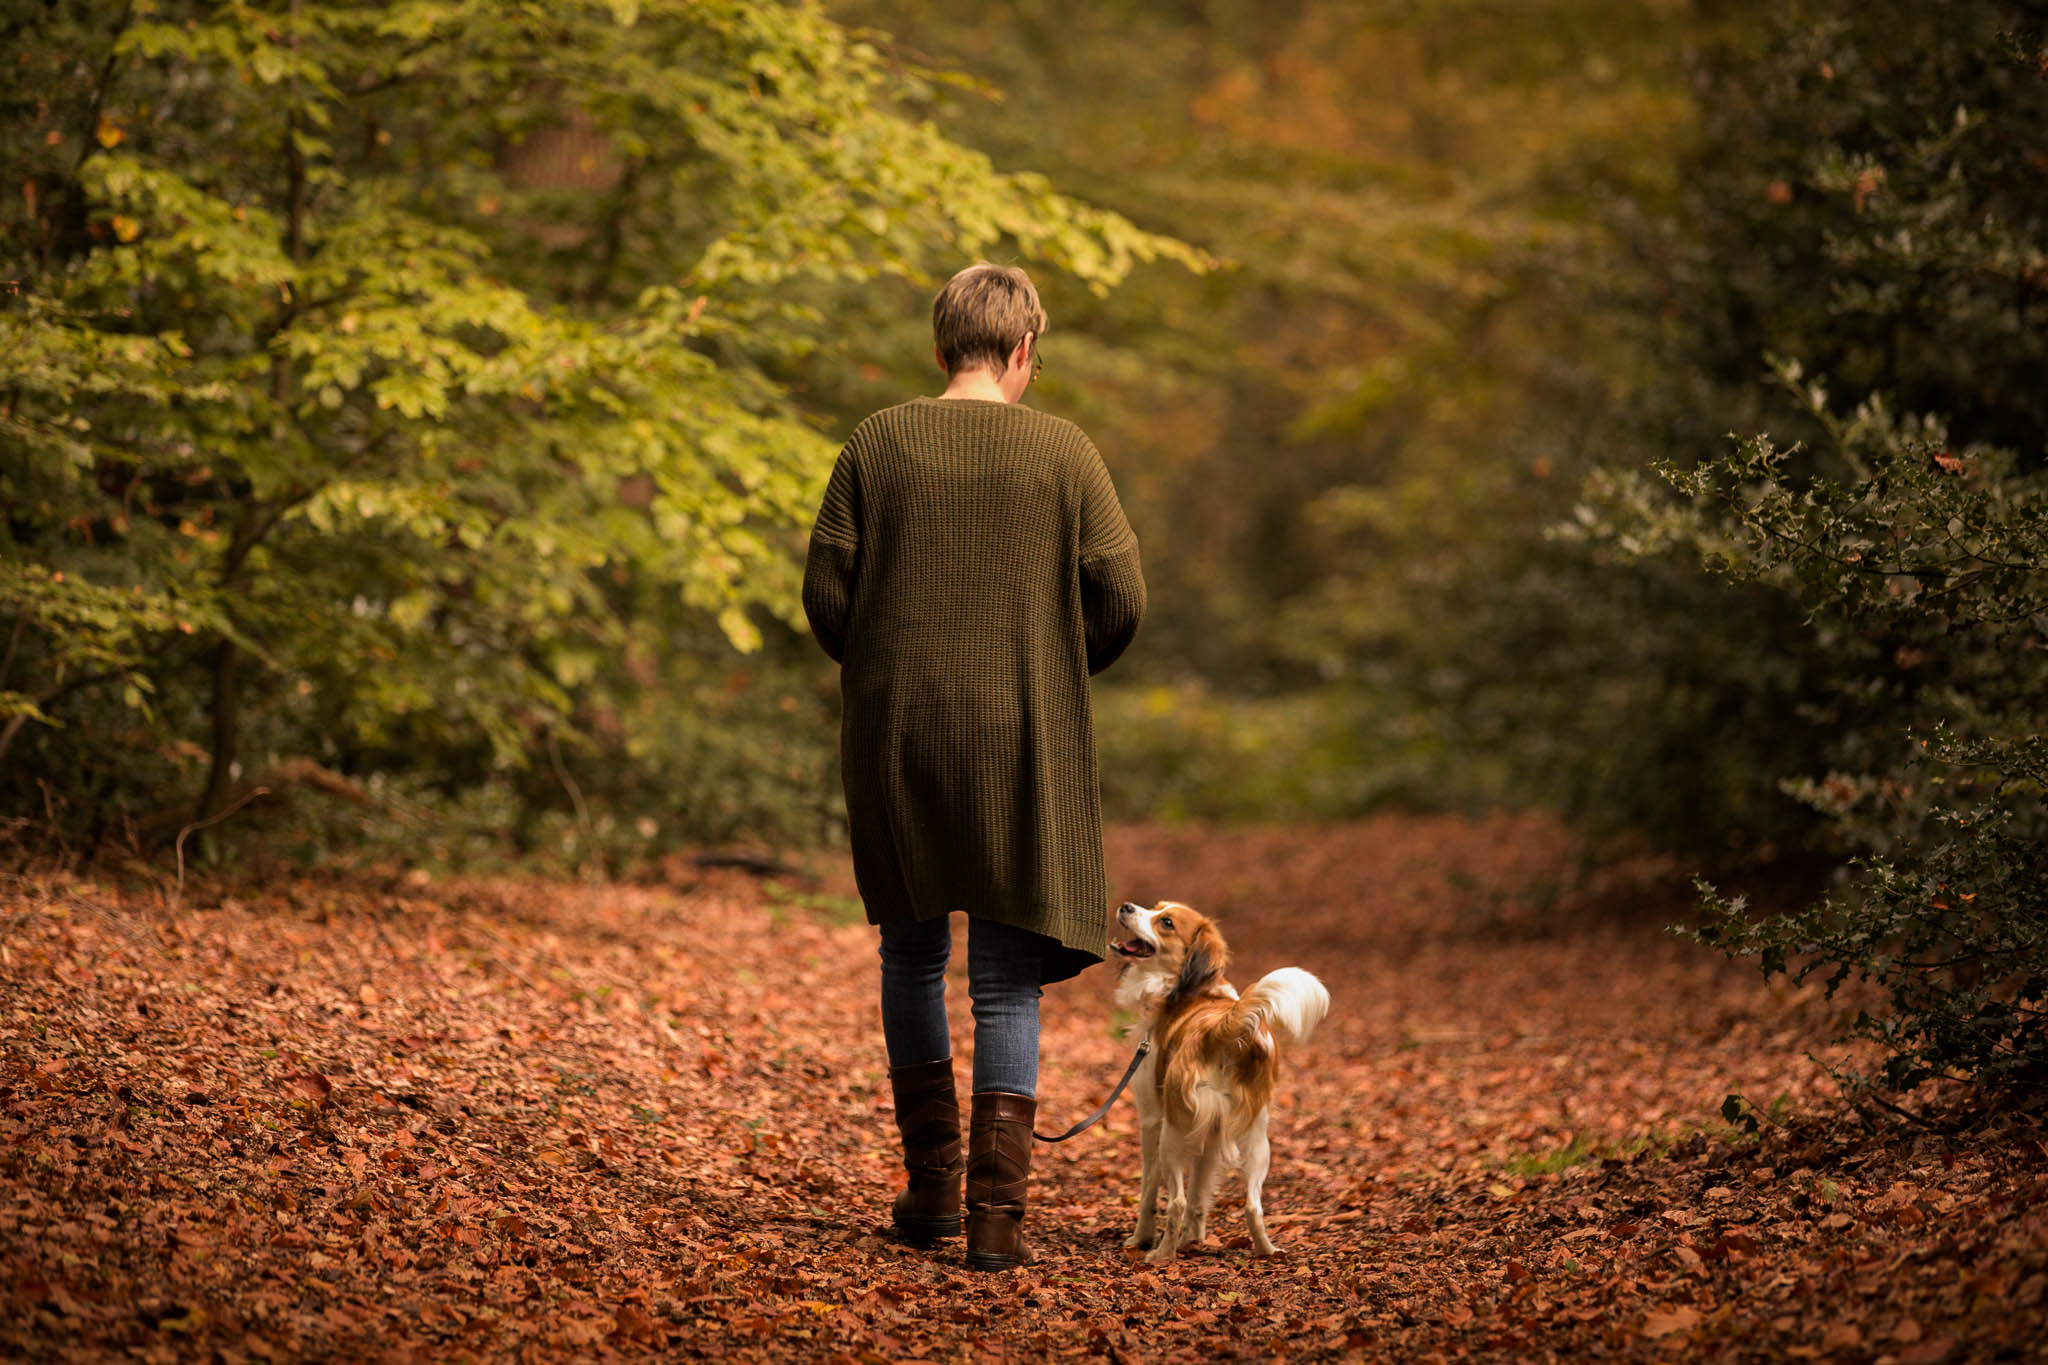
<point x="981" y="315"/>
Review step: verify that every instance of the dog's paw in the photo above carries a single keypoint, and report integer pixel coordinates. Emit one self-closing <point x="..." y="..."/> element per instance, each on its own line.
<point x="1160" y="1255"/>
<point x="1134" y="1242"/>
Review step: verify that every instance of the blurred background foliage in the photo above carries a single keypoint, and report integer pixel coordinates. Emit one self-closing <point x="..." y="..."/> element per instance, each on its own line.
<point x="1465" y="252"/>
<point x="1632" y="410"/>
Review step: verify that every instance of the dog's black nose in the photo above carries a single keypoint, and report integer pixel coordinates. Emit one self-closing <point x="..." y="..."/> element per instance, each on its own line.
<point x="1127" y="906"/>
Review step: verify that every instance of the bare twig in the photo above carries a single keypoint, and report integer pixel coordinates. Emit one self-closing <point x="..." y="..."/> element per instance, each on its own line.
<point x="1900" y="1111"/>
<point x="50" y="814"/>
<point x="90" y="140"/>
<point x="757" y="864"/>
<point x="13" y="643"/>
<point x="596" y="870"/>
<point x="213" y="819"/>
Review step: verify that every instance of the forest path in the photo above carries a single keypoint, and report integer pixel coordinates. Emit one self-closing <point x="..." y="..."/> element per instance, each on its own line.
<point x="366" y="1119"/>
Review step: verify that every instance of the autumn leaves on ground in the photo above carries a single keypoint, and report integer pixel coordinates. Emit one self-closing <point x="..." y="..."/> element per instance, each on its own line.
<point x="388" y="1118"/>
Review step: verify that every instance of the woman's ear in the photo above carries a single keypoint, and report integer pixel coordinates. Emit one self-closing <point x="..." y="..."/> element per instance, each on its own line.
<point x="939" y="359"/>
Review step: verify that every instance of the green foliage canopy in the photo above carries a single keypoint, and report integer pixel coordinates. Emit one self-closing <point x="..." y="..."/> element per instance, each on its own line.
<point x="373" y="375"/>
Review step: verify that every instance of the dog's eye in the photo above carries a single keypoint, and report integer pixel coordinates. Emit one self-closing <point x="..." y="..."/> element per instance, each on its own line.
<point x="1166" y="923"/>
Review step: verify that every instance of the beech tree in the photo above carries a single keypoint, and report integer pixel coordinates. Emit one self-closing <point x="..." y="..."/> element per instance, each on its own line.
<point x="375" y="373"/>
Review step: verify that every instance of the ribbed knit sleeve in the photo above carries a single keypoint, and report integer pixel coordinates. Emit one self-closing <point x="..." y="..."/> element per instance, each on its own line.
<point x="1112" y="581"/>
<point x="833" y="562"/>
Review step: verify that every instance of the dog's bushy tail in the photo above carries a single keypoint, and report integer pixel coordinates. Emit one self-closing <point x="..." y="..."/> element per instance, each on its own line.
<point x="1287" y="1003"/>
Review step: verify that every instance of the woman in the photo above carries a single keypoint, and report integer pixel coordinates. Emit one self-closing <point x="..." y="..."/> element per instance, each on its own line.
<point x="970" y="567"/>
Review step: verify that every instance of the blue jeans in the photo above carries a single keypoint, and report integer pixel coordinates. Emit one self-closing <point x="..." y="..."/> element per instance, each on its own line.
<point x="1003" y="968"/>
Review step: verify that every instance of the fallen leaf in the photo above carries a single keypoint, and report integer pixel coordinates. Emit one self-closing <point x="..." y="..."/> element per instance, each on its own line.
<point x="1665" y="1321"/>
<point x="1841" y="1337"/>
<point x="633" y="1321"/>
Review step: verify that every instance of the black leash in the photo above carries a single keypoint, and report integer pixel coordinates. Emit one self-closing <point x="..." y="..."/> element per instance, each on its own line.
<point x="1085" y="1124"/>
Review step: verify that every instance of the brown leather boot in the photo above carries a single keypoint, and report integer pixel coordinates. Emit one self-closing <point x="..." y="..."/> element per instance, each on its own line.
<point x="928" y="1120"/>
<point x="998" y="1172"/>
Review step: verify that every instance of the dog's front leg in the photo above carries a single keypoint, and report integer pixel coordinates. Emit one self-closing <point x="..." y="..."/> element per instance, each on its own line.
<point x="1147" y="1232"/>
<point x="1174" y="1160"/>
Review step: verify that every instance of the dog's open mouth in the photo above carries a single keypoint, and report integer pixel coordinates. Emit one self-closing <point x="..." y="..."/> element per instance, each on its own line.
<point x="1136" y="947"/>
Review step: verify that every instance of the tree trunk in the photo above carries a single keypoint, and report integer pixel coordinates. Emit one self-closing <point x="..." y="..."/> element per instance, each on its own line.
<point x="226" y="658"/>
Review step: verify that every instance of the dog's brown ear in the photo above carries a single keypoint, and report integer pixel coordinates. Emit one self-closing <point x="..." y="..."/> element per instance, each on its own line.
<point x="1208" y="940"/>
<point x="1204" y="962"/>
<point x="1196" y="971"/>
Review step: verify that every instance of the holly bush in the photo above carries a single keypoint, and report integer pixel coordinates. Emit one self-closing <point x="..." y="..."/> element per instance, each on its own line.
<point x="1871" y="290"/>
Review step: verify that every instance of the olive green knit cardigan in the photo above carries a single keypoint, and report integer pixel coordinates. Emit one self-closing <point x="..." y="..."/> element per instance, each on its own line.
<point x="970" y="567"/>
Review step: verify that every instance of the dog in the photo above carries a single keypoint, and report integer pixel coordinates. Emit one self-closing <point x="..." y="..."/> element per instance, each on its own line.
<point x="1204" y="1090"/>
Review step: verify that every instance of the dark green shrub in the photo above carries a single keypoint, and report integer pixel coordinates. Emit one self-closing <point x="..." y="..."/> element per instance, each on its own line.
<point x="1927" y="577"/>
<point x="1873" y="208"/>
